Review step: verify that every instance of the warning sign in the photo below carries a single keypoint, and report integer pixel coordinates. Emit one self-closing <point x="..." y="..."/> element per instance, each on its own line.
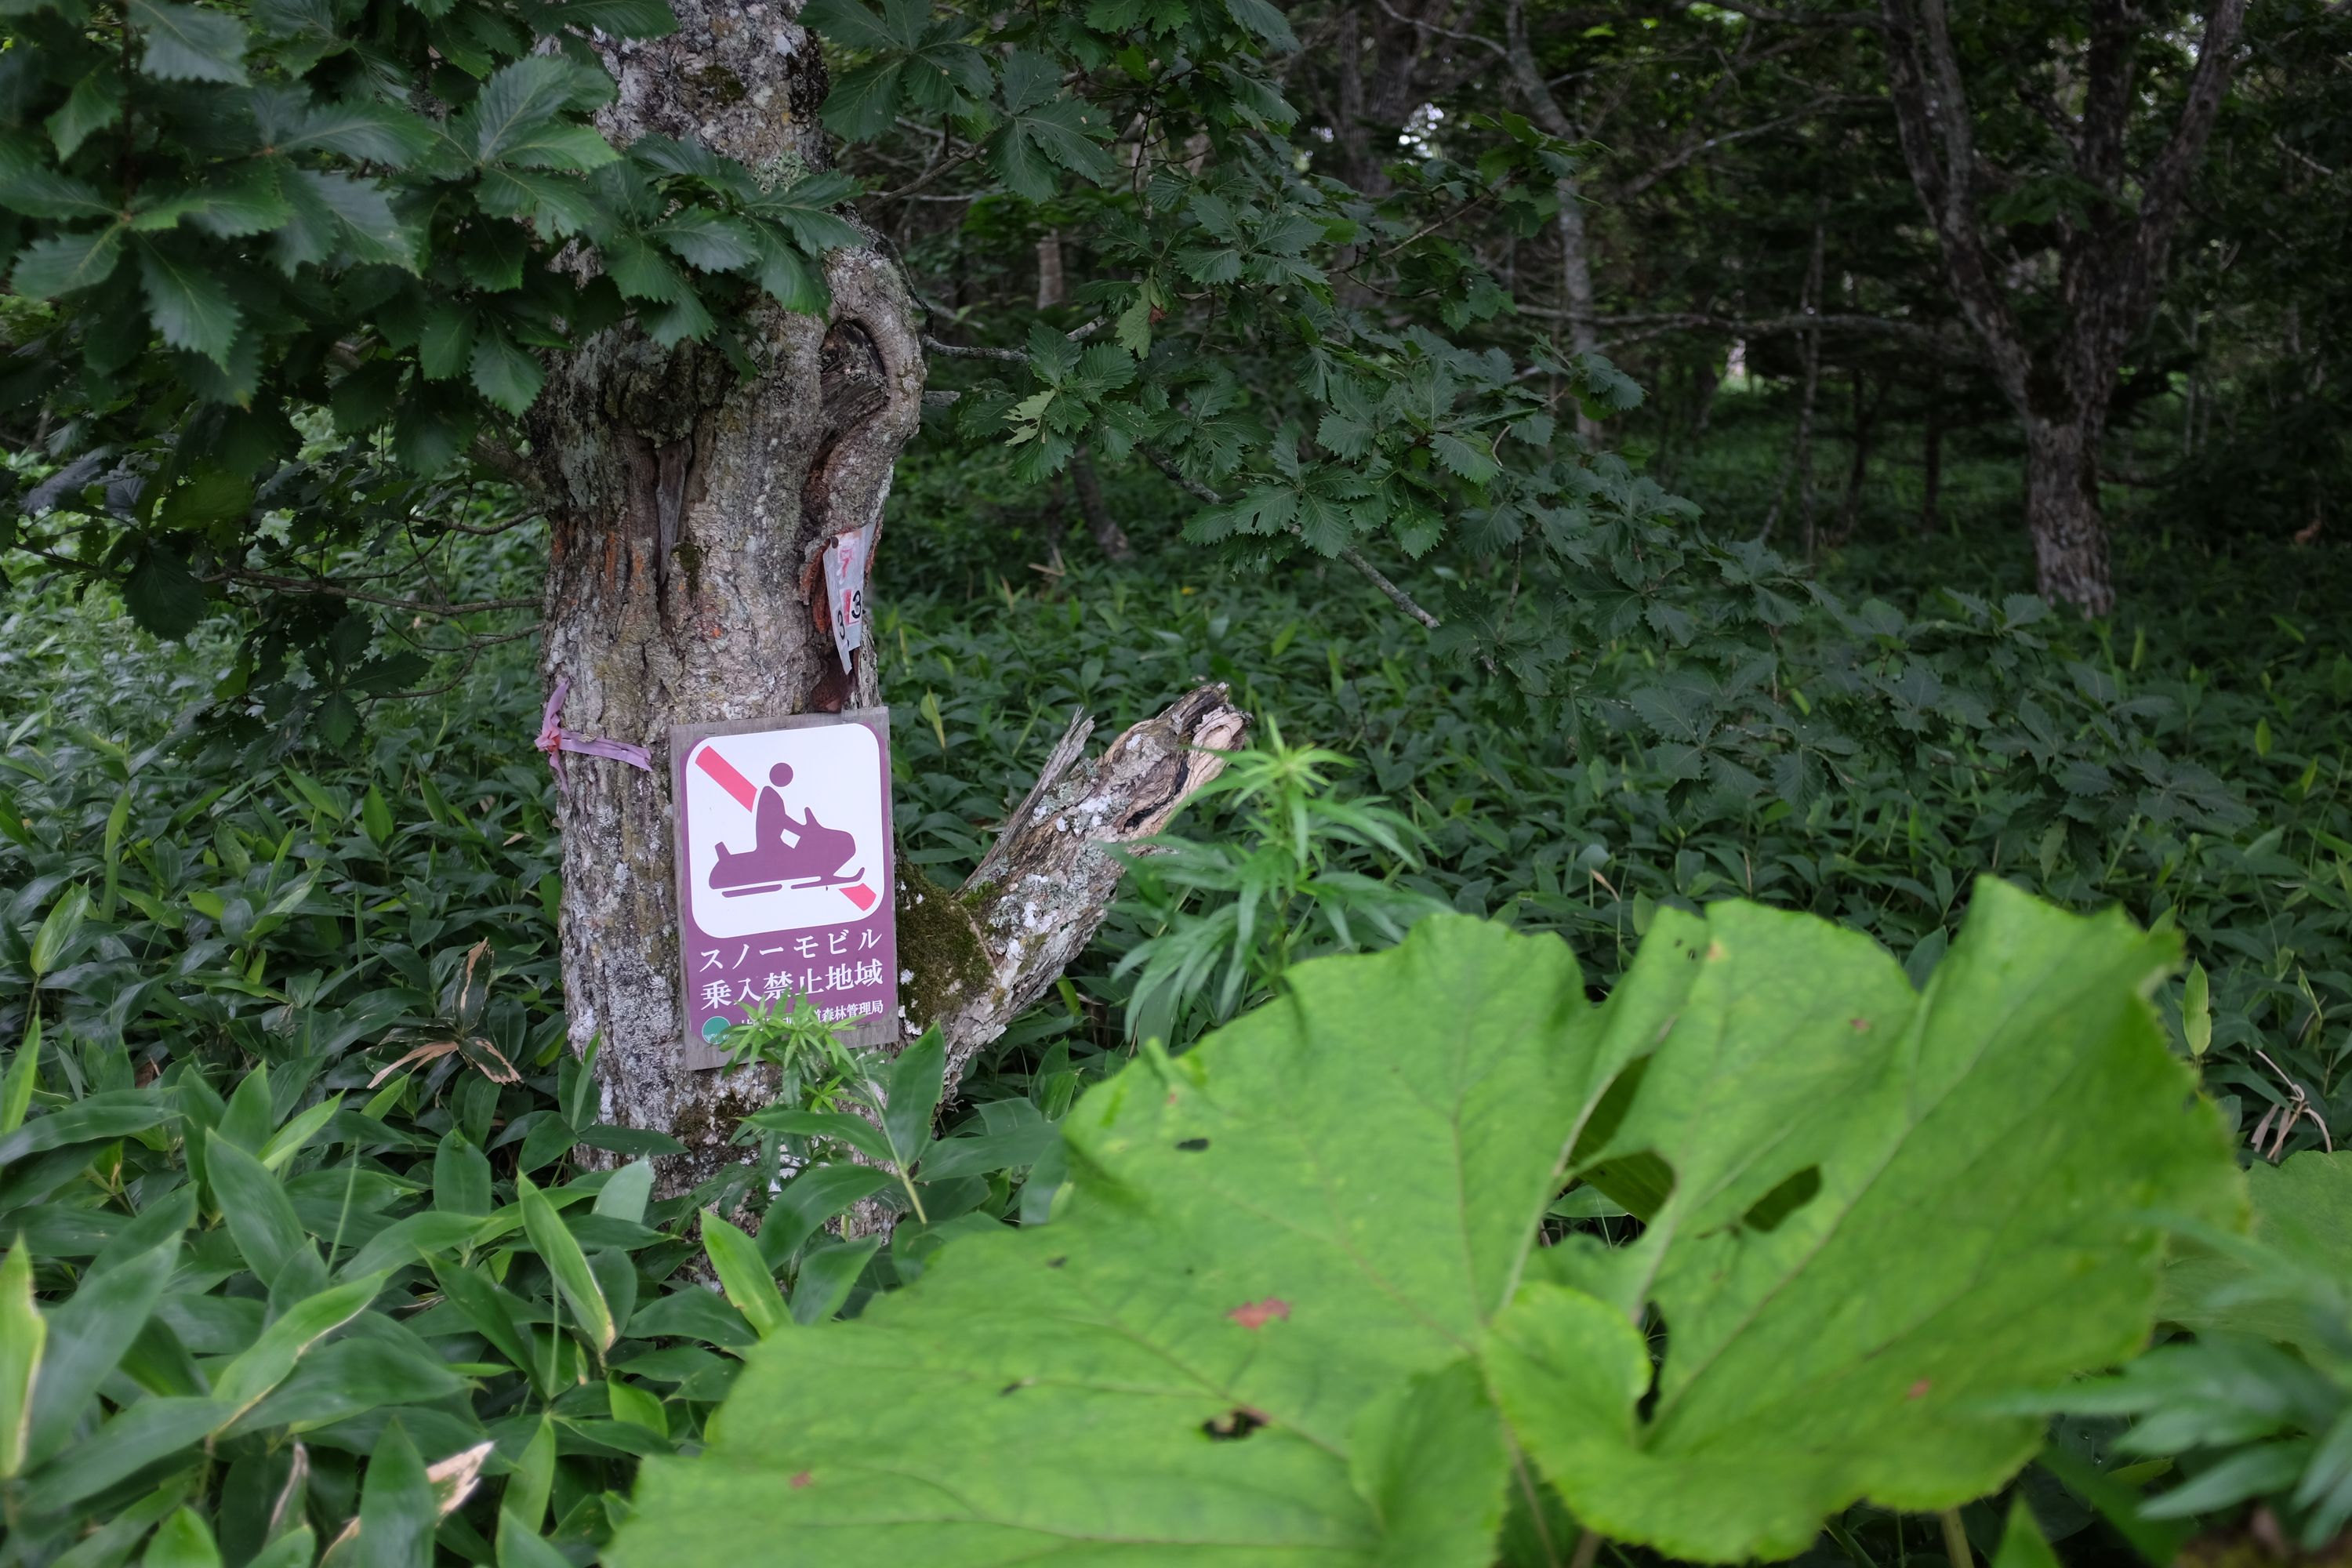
<point x="784" y="876"/>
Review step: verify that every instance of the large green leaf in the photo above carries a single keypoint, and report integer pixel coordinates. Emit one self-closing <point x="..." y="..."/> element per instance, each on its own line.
<point x="1883" y="1209"/>
<point x="1264" y="1240"/>
<point x="1277" y="1290"/>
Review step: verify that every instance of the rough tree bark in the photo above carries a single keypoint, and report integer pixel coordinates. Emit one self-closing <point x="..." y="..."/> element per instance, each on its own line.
<point x="688" y="504"/>
<point x="2110" y="256"/>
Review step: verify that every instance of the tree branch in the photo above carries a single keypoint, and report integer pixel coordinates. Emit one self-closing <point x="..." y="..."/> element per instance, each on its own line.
<point x="339" y="591"/>
<point x="1038" y="896"/>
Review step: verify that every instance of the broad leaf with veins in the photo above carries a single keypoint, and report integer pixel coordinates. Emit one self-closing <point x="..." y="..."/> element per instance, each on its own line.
<point x="1298" y="1268"/>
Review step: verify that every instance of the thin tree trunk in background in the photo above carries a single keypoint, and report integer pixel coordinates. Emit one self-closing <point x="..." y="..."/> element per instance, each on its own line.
<point x="1575" y="254"/>
<point x="1051" y="291"/>
<point x="1109" y="538"/>
<point x="1800" y="457"/>
<point x="686" y="506"/>
<point x="1576" y="288"/>
<point x="1932" y="480"/>
<point x="1864" y="411"/>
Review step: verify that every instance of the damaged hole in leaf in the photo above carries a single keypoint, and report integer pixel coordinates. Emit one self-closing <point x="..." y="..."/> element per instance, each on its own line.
<point x="1793" y="1193"/>
<point x="1638" y="1182"/>
<point x="1233" y="1426"/>
<point x="1653" y="1329"/>
<point x="1194" y="1145"/>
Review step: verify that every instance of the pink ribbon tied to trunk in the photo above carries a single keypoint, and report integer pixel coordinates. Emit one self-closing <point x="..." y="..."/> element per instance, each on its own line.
<point x="555" y="740"/>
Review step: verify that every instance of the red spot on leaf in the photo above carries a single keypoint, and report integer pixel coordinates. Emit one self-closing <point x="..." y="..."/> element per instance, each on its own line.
<point x="1919" y="1389"/>
<point x="1258" y="1314"/>
<point x="1861" y="1025"/>
<point x="802" y="1479"/>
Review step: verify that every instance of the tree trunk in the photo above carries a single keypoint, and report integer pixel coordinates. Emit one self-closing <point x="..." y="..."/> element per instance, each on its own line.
<point x="1109" y="538"/>
<point x="687" y="506"/>
<point x="2062" y="510"/>
<point x="1576" y="288"/>
<point x="1931" y="482"/>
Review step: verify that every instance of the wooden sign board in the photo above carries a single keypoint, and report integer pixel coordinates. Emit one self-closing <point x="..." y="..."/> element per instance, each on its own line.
<point x="785" y="888"/>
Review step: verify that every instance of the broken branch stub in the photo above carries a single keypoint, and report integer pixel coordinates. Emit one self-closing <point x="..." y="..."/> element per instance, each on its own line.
<point x="980" y="954"/>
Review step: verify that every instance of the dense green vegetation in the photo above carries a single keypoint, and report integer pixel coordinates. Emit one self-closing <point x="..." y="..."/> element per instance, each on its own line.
<point x="248" y="940"/>
<point x="1707" y="1024"/>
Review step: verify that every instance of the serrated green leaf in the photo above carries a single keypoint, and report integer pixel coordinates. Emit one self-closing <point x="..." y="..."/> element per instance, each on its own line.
<point x="852" y="26"/>
<point x="557" y="206"/>
<point x="41" y="192"/>
<point x="707" y="241"/>
<point x="370" y="131"/>
<point x="190" y="43"/>
<point x="189" y="305"/>
<point x="444" y="344"/>
<point x="206" y="497"/>
<point x="508" y="376"/>
<point x="65" y="262"/>
<point x="94" y="104"/>
<point x="1263" y="18"/>
<point x="620" y="18"/>
<point x="789" y="277"/>
<point x="516" y="119"/>
<point x="355" y="214"/>
<point x="161" y="595"/>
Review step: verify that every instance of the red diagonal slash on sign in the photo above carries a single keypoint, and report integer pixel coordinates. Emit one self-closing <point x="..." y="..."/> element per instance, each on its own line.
<point x="734" y="784"/>
<point x="727" y="778"/>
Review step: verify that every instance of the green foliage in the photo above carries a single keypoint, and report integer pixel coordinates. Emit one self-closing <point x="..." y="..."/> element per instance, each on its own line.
<point x="295" y="1232"/>
<point x="1278" y="895"/>
<point x="1308" y="1251"/>
<point x="2258" y="1403"/>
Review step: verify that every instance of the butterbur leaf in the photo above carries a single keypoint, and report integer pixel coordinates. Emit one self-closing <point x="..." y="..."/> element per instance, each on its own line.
<point x="1964" y="1230"/>
<point x="1194" y="1235"/>
<point x="1878" y="1210"/>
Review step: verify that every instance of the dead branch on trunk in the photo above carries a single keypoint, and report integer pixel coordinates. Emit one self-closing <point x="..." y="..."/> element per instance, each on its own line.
<point x="980" y="955"/>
